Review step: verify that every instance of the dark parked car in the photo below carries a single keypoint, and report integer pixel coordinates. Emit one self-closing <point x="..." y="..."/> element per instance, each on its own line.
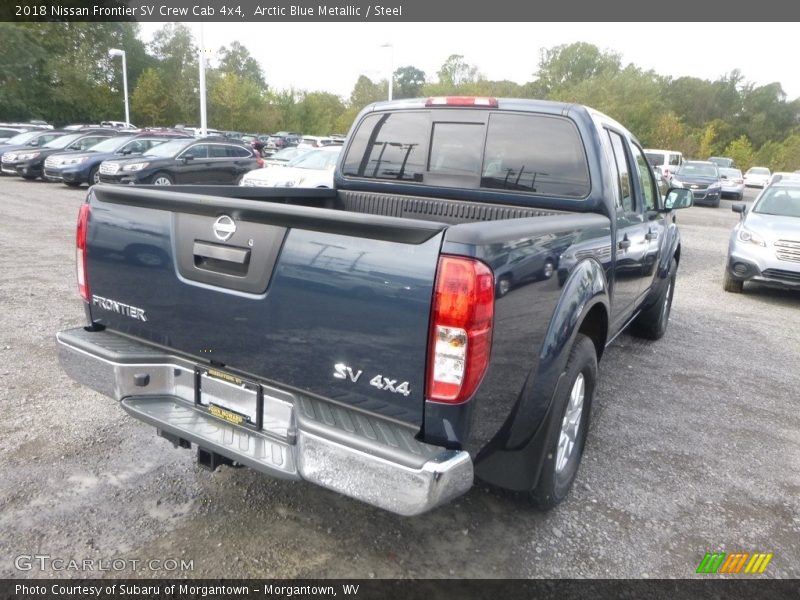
<point x="29" y="164"/>
<point x="205" y="160"/>
<point x="30" y="139"/>
<point x="75" y="168"/>
<point x="702" y="177"/>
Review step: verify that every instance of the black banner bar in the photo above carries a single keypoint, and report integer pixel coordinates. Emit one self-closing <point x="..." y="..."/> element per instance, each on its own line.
<point x="392" y="589"/>
<point x="387" y="11"/>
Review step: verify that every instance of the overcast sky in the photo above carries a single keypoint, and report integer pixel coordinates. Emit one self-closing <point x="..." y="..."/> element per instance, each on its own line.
<point x="331" y="56"/>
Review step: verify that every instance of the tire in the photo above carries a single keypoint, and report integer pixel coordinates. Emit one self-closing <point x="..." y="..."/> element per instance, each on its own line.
<point x="94" y="176"/>
<point x="567" y="437"/>
<point x="652" y="323"/>
<point x="162" y="178"/>
<point x="729" y="284"/>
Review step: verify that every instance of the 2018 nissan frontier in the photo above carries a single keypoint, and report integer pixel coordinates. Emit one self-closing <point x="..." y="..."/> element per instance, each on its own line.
<point x="436" y="318"/>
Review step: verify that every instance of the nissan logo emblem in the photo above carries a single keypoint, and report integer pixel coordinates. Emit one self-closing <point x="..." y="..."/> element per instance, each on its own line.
<point x="224" y="228"/>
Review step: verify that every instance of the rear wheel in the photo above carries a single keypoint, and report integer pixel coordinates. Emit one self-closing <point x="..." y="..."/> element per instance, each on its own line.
<point x="652" y="323"/>
<point x="729" y="284"/>
<point x="162" y="179"/>
<point x="566" y="440"/>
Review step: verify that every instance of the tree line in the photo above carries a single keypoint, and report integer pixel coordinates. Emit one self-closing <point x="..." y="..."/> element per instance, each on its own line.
<point x="61" y="72"/>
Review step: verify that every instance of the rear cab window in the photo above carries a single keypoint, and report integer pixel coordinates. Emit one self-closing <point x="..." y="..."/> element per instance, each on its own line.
<point x="523" y="152"/>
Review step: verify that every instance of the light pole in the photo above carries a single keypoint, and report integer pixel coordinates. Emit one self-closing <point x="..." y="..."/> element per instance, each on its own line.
<point x="117" y="52"/>
<point x="202" y="76"/>
<point x="391" y="66"/>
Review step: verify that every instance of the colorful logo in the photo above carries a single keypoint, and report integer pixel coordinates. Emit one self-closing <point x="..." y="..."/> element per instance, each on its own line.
<point x="736" y="562"/>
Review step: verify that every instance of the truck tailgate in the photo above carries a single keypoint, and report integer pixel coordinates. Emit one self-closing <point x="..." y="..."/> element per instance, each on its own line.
<point x="324" y="301"/>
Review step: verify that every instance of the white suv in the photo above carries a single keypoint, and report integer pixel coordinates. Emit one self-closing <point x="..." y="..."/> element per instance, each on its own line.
<point x="665" y="162"/>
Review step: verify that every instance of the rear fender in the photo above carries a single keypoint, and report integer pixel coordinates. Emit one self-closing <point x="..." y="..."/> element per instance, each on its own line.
<point x="514" y="458"/>
<point x="670" y="249"/>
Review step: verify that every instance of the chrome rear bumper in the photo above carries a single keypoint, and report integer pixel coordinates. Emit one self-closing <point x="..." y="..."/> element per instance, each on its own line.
<point x="368" y="458"/>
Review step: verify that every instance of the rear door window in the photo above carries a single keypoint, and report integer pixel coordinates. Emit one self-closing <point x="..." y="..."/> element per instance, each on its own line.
<point x="198" y="151"/>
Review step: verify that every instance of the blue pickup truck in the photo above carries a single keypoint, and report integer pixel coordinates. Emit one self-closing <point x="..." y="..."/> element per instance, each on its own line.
<point x="436" y="318"/>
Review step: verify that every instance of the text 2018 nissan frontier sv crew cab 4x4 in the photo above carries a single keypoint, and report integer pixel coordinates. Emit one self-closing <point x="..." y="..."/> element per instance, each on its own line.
<point x="437" y="317"/>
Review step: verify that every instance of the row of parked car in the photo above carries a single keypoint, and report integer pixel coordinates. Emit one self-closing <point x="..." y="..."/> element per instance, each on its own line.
<point x="163" y="157"/>
<point x="764" y="246"/>
<point x="712" y="179"/>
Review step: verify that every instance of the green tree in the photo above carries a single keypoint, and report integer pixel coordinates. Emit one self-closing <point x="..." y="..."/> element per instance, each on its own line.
<point x="455" y="72"/>
<point x="366" y="92"/>
<point x="320" y="112"/>
<point x="741" y="151"/>
<point x="234" y="102"/>
<point x="176" y="54"/>
<point x="571" y="64"/>
<point x="670" y="132"/>
<point x="149" y="100"/>
<point x="408" y="82"/>
<point x="236" y="59"/>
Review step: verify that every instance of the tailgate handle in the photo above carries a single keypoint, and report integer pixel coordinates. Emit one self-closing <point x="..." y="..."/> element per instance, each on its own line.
<point x="221" y="259"/>
<point x="234" y="255"/>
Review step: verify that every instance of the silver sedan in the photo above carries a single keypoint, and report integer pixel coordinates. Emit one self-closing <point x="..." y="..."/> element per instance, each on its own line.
<point x="765" y="244"/>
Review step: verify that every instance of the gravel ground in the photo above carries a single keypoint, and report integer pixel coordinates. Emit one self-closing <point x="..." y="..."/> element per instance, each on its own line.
<point x="695" y="447"/>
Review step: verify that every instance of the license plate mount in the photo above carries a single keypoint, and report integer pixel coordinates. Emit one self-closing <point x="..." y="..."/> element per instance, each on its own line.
<point x="229" y="397"/>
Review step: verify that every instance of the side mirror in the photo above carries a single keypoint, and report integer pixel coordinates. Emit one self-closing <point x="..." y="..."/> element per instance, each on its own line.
<point x="739" y="208"/>
<point x="187" y="158"/>
<point x="33" y="143"/>
<point x="126" y="151"/>
<point x="678" y="198"/>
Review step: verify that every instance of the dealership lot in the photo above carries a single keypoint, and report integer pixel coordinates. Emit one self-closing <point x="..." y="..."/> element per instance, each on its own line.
<point x="694" y="448"/>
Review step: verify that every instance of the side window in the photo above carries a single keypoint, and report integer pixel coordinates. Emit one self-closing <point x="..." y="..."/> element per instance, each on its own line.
<point x="216" y="151"/>
<point x="136" y="147"/>
<point x="648" y="181"/>
<point x="674" y="160"/>
<point x="628" y="203"/>
<point x="88" y="142"/>
<point x="198" y="151"/>
<point x="237" y="152"/>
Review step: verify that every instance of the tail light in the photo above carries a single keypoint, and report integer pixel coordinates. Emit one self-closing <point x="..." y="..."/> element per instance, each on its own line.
<point x="260" y="162"/>
<point x="80" y="251"/>
<point x="460" y="337"/>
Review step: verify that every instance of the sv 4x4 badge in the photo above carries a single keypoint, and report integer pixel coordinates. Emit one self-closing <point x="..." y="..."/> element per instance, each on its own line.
<point x="342" y="371"/>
